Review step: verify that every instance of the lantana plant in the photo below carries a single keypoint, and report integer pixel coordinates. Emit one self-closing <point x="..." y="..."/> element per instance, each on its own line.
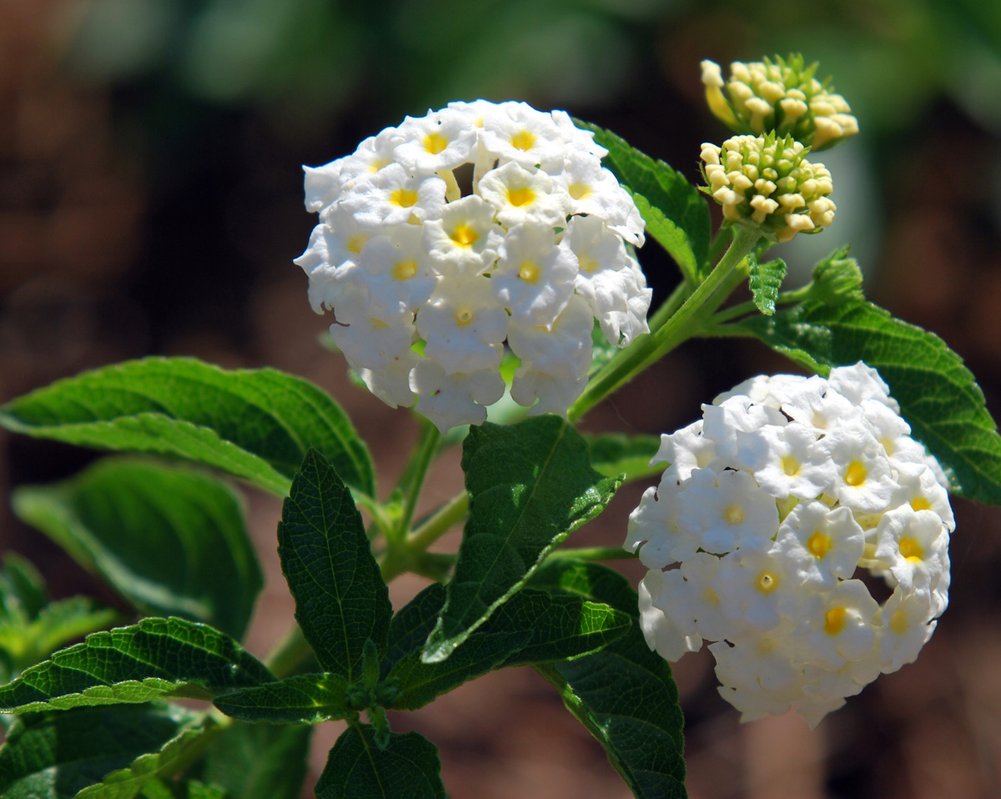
<point x="480" y="268"/>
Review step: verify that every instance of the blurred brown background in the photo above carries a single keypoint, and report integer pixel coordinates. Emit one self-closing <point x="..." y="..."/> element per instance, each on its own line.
<point x="150" y="203"/>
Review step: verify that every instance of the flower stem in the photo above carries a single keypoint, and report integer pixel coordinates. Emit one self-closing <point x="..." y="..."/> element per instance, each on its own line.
<point x="679" y="325"/>
<point x="413" y="476"/>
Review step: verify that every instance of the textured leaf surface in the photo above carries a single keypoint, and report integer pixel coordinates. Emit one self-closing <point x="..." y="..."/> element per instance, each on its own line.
<point x="175" y="755"/>
<point x="530" y="486"/>
<point x="408" y="768"/>
<point x="765" y="280"/>
<point x="340" y="597"/>
<point x="937" y="394"/>
<point x="171" y="541"/>
<point x="54" y="756"/>
<point x="624" y="694"/>
<point x="259" y="761"/>
<point x="614" y="454"/>
<point x="675" y="213"/>
<point x="154" y="658"/>
<point x="532" y="626"/>
<point x="307" y="698"/>
<point x="255" y="424"/>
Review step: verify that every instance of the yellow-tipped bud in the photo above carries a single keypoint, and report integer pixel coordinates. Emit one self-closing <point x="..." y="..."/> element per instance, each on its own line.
<point x="780" y="95"/>
<point x="766" y="181"/>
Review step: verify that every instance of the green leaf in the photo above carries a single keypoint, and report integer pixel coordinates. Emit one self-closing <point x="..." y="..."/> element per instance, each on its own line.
<point x="937" y="394"/>
<point x="307" y="698"/>
<point x="154" y="658"/>
<point x="624" y="694"/>
<point x="675" y="213"/>
<point x="531" y="627"/>
<point x="255" y="424"/>
<point x="199" y="790"/>
<point x="171" y="541"/>
<point x="173" y="757"/>
<point x="54" y="756"/>
<point x="340" y="597"/>
<point x="22" y="590"/>
<point x="530" y="486"/>
<point x="765" y="281"/>
<point x="66" y="620"/>
<point x="836" y="278"/>
<point x="407" y="768"/>
<point x="614" y="454"/>
<point x="259" y="761"/>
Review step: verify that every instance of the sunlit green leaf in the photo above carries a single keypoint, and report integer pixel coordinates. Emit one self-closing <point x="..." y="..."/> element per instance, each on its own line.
<point x="254" y="423"/>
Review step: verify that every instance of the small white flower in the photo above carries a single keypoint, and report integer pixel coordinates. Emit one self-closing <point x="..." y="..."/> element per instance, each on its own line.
<point x="534" y="276"/>
<point x="454" y="399"/>
<point x="520" y="196"/>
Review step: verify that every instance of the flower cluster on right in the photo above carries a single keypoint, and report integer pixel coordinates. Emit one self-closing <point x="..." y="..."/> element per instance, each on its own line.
<point x="802" y="530"/>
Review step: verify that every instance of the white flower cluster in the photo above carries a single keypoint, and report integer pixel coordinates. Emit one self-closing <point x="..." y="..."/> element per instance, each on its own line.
<point x="461" y="235"/>
<point x="786" y="506"/>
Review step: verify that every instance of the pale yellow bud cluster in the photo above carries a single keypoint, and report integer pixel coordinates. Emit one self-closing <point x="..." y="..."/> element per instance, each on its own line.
<point x="766" y="181"/>
<point x="780" y="95"/>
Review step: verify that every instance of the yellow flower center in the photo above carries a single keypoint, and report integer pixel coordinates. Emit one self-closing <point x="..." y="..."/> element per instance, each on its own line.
<point x="766" y="582"/>
<point x="405" y="198"/>
<point x="920" y="503"/>
<point x="579" y="190"/>
<point x="356" y="243"/>
<point x="464" y="235"/>
<point x="710" y="596"/>
<point x="734" y="514"/>
<point x="523" y="140"/>
<point x="587" y="264"/>
<point x="529" y="271"/>
<point x="855" y="474"/>
<point x="898" y="622"/>
<point x="404" y="270"/>
<point x="790" y="465"/>
<point x="819" y="544"/>
<point x="464" y="316"/>
<point x="378" y="324"/>
<point x="911" y="549"/>
<point x="434" y="143"/>
<point x="520" y="196"/>
<point x="834" y="620"/>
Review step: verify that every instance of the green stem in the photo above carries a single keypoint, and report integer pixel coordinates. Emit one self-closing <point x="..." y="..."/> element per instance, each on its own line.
<point x="413" y="477"/>
<point x="593" y="553"/>
<point x="682" y="324"/>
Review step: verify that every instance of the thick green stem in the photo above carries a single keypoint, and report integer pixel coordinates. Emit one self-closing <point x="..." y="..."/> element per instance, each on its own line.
<point x="682" y="324"/>
<point x="592" y="553"/>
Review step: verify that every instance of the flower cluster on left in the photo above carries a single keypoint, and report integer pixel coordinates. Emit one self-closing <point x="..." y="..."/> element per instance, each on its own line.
<point x="475" y="231"/>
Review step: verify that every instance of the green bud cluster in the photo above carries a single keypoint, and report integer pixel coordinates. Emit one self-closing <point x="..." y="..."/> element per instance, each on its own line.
<point x="767" y="182"/>
<point x="780" y="95"/>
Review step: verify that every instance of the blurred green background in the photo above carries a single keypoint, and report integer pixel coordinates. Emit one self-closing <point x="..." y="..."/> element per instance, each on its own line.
<point x="150" y="202"/>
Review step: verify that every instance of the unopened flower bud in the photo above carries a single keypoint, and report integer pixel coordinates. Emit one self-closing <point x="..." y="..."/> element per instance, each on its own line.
<point x="780" y="95"/>
<point x="767" y="182"/>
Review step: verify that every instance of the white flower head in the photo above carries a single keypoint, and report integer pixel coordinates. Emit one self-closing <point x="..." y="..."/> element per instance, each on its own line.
<point x="459" y="234"/>
<point x="774" y="506"/>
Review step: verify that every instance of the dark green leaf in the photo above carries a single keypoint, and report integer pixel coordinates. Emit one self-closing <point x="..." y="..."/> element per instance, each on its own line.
<point x="22" y="590"/>
<point x="170" y="540"/>
<point x="614" y="454"/>
<point x="259" y="761"/>
<point x="173" y="757"/>
<point x="54" y="756"/>
<point x="308" y="698"/>
<point x="340" y="597"/>
<point x="530" y="486"/>
<point x="199" y="790"/>
<point x="531" y="627"/>
<point x="624" y="694"/>
<point x="255" y="424"/>
<point x="675" y="213"/>
<point x="154" y="658"/>
<point x="765" y="281"/>
<point x="408" y="768"/>
<point x="937" y="394"/>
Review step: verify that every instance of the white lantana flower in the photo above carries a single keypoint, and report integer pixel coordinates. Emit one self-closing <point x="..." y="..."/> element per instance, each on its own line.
<point x="457" y="236"/>
<point x="781" y="507"/>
